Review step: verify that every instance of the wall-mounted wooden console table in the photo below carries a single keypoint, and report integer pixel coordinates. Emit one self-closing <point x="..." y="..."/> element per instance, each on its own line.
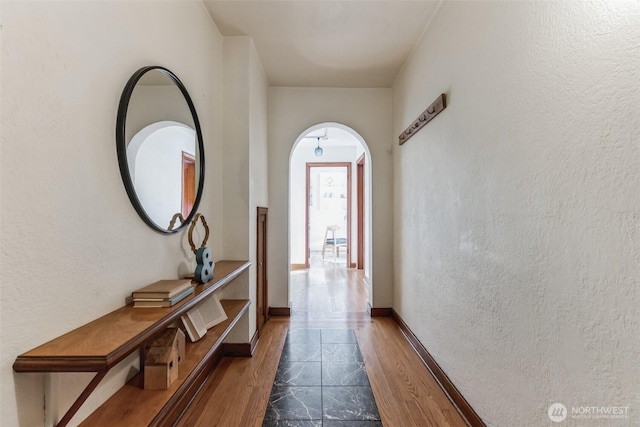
<point x="100" y="345"/>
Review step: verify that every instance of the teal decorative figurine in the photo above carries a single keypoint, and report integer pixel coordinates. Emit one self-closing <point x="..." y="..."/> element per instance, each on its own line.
<point x="204" y="267"/>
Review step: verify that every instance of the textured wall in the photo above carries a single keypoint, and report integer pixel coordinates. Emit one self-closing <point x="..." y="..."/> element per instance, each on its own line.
<point x="517" y="209"/>
<point x="245" y="166"/>
<point x="258" y="167"/>
<point x="291" y="112"/>
<point x="72" y="245"/>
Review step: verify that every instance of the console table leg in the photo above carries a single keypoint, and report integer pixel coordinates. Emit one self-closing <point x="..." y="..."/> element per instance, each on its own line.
<point x="81" y="399"/>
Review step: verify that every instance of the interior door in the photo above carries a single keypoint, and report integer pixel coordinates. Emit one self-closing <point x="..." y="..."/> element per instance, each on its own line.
<point x="262" y="306"/>
<point x="188" y="183"/>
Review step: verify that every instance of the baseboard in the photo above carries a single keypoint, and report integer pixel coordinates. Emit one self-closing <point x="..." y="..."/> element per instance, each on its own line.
<point x="298" y="267"/>
<point x="379" y="311"/>
<point x="280" y="311"/>
<point x="240" y="349"/>
<point x="463" y="407"/>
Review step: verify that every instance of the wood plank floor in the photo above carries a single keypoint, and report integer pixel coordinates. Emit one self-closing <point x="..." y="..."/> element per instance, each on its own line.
<point x="327" y="297"/>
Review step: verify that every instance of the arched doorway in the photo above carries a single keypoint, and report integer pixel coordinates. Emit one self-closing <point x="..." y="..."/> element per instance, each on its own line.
<point x="329" y="205"/>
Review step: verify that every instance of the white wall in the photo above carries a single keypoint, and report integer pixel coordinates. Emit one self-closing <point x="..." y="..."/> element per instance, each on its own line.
<point x="291" y="112"/>
<point x="72" y="245"/>
<point x="152" y="103"/>
<point x="236" y="146"/>
<point x="517" y="225"/>
<point x="245" y="166"/>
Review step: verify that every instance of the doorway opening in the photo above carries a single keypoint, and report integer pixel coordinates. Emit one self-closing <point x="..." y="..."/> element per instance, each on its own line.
<point x="329" y="222"/>
<point x="328" y="212"/>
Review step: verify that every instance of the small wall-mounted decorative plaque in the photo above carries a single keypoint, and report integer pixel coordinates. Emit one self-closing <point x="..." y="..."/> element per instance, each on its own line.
<point x="432" y="110"/>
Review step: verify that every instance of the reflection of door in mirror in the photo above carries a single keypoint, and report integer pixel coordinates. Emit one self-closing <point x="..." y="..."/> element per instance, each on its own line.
<point x="155" y="156"/>
<point x="188" y="183"/>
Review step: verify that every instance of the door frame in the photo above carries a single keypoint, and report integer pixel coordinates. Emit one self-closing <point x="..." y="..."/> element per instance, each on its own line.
<point x="306" y="206"/>
<point x="262" y="284"/>
<point x="360" y="176"/>
<point x="188" y="196"/>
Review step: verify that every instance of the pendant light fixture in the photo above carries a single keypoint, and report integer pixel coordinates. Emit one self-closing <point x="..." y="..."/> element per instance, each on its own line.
<point x="318" y="151"/>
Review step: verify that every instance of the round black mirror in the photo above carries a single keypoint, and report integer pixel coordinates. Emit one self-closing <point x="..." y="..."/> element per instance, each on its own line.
<point x="160" y="149"/>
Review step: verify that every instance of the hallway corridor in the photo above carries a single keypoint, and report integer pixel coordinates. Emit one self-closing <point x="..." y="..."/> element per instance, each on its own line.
<point x="321" y="381"/>
<point x="326" y="297"/>
<point x="327" y="292"/>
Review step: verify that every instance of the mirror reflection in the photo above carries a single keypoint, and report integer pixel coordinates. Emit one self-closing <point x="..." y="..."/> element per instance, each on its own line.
<point x="163" y="184"/>
<point x="162" y="148"/>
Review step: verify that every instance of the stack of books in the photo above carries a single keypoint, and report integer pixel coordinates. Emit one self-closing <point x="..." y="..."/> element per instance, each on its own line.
<point x="163" y="293"/>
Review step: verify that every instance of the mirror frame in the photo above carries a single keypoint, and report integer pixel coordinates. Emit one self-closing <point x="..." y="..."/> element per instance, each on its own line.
<point x="121" y="145"/>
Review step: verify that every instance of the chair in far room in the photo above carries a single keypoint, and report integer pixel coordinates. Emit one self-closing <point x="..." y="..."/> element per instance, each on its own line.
<point x="334" y="243"/>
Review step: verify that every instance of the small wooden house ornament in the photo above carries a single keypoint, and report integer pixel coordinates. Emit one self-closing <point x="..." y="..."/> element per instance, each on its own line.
<point x="162" y="359"/>
<point x="160" y="368"/>
<point x="170" y="337"/>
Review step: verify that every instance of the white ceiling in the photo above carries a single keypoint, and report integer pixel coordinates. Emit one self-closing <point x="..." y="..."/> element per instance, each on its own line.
<point x="329" y="137"/>
<point x="326" y="43"/>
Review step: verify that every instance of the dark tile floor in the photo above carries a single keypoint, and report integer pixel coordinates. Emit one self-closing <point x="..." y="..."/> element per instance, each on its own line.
<point x="321" y="381"/>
